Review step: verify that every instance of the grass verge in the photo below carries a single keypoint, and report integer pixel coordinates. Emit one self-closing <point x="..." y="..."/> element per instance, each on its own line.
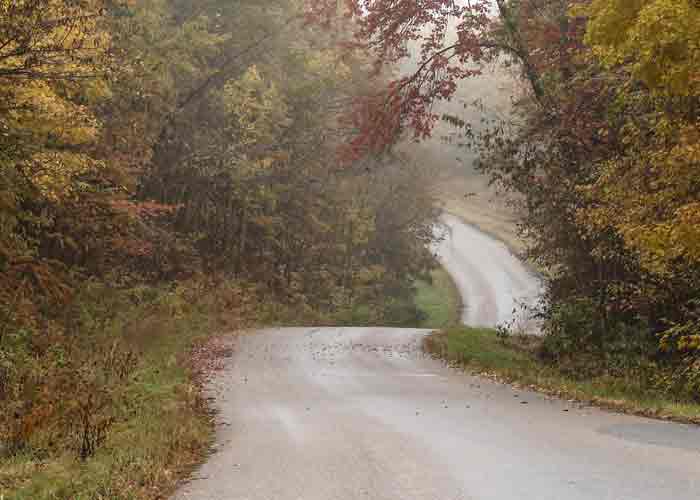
<point x="432" y="303"/>
<point x="438" y="301"/>
<point x="161" y="428"/>
<point x="513" y="360"/>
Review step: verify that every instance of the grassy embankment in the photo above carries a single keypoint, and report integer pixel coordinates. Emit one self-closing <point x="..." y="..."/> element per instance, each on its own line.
<point x="161" y="426"/>
<point x="515" y="360"/>
<point x="438" y="301"/>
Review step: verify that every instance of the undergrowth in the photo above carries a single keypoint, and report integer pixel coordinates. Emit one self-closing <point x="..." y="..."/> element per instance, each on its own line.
<point x="102" y="400"/>
<point x="104" y="404"/>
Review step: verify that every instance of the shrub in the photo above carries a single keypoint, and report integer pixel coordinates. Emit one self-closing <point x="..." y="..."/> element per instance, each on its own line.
<point x="581" y="344"/>
<point x="681" y="343"/>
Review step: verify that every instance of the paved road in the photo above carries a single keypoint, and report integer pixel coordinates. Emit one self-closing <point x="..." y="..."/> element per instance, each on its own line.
<point x="362" y="414"/>
<point x="493" y="283"/>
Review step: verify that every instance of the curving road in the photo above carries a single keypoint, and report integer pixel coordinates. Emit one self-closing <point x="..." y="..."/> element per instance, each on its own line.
<point x="363" y="414"/>
<point x="496" y="287"/>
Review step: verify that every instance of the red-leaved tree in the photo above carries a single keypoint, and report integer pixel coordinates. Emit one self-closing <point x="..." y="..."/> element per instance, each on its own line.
<point x="446" y="41"/>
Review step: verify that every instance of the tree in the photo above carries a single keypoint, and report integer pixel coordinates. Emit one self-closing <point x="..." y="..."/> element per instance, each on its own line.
<point x="601" y="151"/>
<point x="53" y="56"/>
<point x="656" y="40"/>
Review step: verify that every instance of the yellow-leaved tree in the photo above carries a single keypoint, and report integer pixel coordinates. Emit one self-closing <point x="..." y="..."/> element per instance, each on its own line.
<point x="649" y="191"/>
<point x="51" y="68"/>
<point x="658" y="40"/>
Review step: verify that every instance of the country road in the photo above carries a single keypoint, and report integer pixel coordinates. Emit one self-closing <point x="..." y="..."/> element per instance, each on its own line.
<point x="364" y="414"/>
<point x="493" y="283"/>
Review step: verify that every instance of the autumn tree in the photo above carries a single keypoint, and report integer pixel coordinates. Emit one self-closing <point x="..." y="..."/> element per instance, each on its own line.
<point x="600" y="152"/>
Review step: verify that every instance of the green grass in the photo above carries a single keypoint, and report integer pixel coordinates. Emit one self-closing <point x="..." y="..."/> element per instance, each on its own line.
<point x="512" y="360"/>
<point x="438" y="300"/>
<point x="434" y="303"/>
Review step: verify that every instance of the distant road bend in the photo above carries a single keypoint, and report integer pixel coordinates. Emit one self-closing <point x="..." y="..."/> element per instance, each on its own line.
<point x="495" y="286"/>
<point x="363" y="414"/>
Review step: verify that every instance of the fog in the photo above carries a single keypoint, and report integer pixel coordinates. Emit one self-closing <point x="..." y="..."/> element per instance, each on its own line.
<point x="477" y="99"/>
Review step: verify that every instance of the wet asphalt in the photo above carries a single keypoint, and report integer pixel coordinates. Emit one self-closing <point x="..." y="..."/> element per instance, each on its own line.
<point x="364" y="414"/>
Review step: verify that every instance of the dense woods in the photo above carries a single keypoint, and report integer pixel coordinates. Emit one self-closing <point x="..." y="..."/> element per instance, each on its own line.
<point x="606" y="166"/>
<point x="600" y="156"/>
<point x="163" y="158"/>
<point x="605" y="163"/>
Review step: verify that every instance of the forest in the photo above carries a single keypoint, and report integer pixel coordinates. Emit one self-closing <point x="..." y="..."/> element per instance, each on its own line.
<point x="165" y="161"/>
<point x="170" y="168"/>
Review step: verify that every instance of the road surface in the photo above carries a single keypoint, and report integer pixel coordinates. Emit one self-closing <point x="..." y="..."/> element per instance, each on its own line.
<point x="362" y="414"/>
<point x="496" y="287"/>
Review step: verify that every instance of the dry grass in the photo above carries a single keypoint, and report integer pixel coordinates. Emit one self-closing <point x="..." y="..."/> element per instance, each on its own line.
<point x="470" y="199"/>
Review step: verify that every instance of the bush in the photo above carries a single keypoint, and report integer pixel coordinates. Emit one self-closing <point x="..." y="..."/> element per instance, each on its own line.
<point x="64" y="394"/>
<point x="681" y="381"/>
<point x="583" y="345"/>
<point x="100" y="401"/>
<point x="570" y="328"/>
<point x="65" y="385"/>
<point x="681" y="344"/>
